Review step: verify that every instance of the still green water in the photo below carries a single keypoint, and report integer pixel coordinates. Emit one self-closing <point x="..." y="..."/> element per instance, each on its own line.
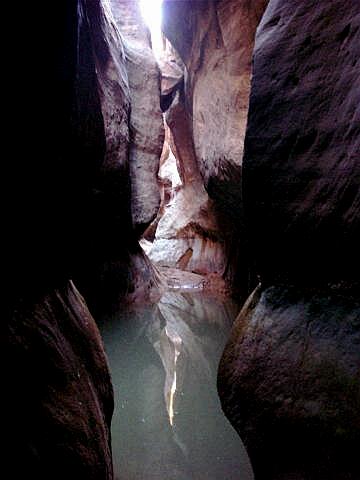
<point x="168" y="423"/>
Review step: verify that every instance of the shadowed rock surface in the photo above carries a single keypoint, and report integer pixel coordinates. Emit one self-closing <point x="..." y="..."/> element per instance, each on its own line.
<point x="119" y="270"/>
<point x="58" y="391"/>
<point x="301" y="165"/>
<point x="67" y="183"/>
<point x="290" y="383"/>
<point x="290" y="371"/>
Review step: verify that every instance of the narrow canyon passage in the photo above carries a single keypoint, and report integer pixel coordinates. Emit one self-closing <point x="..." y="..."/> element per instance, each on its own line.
<point x="149" y="180"/>
<point x="168" y="422"/>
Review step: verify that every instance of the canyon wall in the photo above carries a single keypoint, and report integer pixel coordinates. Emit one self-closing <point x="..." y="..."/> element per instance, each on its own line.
<point x="126" y="191"/>
<point x="146" y="122"/>
<point x="57" y="396"/>
<point x="67" y="216"/>
<point x="217" y="56"/>
<point x="289" y="379"/>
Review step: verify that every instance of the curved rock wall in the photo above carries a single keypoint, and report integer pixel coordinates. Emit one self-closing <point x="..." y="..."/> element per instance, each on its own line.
<point x="67" y="182"/>
<point x="289" y="377"/>
<point x="187" y="234"/>
<point x="126" y="193"/>
<point x="217" y="55"/>
<point x="146" y="122"/>
<point x="57" y="395"/>
<point x="301" y="168"/>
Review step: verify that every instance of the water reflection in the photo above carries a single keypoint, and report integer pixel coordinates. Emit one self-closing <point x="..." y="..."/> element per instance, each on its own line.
<point x="168" y="422"/>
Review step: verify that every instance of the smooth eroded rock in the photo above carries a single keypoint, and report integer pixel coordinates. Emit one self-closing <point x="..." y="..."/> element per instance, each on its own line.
<point x="215" y="42"/>
<point x="58" y="397"/>
<point x="289" y="383"/>
<point x="301" y="164"/>
<point x="146" y="122"/>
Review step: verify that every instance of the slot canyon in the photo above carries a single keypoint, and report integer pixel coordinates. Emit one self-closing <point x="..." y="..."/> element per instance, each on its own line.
<point x="181" y="234"/>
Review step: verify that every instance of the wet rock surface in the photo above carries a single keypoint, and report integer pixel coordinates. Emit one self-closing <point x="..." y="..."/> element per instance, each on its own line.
<point x="289" y="381"/>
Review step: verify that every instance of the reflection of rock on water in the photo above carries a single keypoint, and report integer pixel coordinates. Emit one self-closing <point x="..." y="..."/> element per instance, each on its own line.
<point x="168" y="421"/>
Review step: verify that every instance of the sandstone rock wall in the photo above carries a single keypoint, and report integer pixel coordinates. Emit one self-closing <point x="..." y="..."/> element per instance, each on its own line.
<point x="187" y="235"/>
<point x="146" y="122"/>
<point x="215" y="42"/>
<point x="126" y="196"/>
<point x="289" y="377"/>
<point x="301" y="165"/>
<point x="67" y="184"/>
<point x="56" y="391"/>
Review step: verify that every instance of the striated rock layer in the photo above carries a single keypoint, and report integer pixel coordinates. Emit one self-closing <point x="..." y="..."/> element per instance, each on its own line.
<point x="217" y="56"/>
<point x="146" y="122"/>
<point x="289" y="379"/>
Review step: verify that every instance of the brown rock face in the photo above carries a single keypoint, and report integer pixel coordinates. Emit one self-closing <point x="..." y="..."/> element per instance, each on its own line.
<point x="217" y="55"/>
<point x="289" y="381"/>
<point x="187" y="235"/>
<point x="301" y="165"/>
<point x="289" y="378"/>
<point x="67" y="182"/>
<point x="58" y="391"/>
<point x="126" y="195"/>
<point x="146" y="122"/>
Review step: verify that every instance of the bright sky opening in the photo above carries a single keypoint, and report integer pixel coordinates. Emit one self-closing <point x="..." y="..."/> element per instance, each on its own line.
<point x="151" y="12"/>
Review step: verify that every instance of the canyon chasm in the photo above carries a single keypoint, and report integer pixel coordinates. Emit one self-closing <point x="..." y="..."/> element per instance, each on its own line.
<point x="181" y="231"/>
